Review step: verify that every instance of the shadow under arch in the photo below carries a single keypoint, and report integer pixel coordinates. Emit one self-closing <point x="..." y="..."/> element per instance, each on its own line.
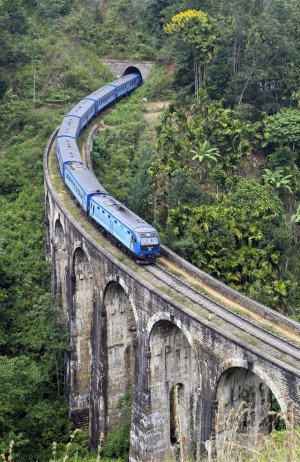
<point x="257" y="370"/>
<point x="163" y="316"/>
<point x="244" y="404"/>
<point x="59" y="234"/>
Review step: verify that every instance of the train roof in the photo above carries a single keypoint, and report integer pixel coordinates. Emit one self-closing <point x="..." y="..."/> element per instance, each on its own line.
<point x="123" y="214"/>
<point x="86" y="179"/>
<point x="124" y="79"/>
<point x="68" y="149"/>
<point x="80" y="109"/>
<point x="103" y="91"/>
<point x="69" y="127"/>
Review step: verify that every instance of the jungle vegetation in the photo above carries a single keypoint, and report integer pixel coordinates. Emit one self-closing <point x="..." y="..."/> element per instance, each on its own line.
<point x="220" y="178"/>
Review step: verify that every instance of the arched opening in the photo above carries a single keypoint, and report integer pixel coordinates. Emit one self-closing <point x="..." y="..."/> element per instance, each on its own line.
<point x="82" y="303"/>
<point x="245" y="406"/>
<point x="131" y="70"/>
<point x="174" y="379"/>
<point x="59" y="236"/>
<point x="120" y="350"/>
<point x="176" y="408"/>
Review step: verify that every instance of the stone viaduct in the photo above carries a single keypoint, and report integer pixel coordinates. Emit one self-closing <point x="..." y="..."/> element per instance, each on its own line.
<point x="186" y="372"/>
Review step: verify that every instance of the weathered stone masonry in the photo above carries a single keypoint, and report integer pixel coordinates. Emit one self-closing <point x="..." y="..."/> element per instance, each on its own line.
<point x="124" y="332"/>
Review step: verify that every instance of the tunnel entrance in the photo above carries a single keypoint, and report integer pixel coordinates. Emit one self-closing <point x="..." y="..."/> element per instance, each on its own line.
<point x="131" y="70"/>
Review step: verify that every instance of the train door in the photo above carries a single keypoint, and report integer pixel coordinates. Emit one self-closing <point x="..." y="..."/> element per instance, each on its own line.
<point x="92" y="209"/>
<point x="132" y="242"/>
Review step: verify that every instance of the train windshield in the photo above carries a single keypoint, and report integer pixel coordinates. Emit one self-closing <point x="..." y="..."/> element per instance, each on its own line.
<point x="153" y="240"/>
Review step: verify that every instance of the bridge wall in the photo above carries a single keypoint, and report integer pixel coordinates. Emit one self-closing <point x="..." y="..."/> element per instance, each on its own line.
<point x="125" y="333"/>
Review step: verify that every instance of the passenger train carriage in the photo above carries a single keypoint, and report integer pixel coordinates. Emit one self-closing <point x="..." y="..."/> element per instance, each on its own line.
<point x="82" y="184"/>
<point x="103" y="97"/>
<point x="70" y="127"/>
<point x="133" y="234"/>
<point x="67" y="151"/>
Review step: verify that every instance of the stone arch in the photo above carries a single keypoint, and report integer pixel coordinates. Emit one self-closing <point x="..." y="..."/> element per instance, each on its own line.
<point x="132" y="69"/>
<point x="243" y="403"/>
<point x="163" y="316"/>
<point x="260" y="372"/>
<point x="60" y="266"/>
<point x="174" y="381"/>
<point x="121" y="345"/>
<point x="80" y="322"/>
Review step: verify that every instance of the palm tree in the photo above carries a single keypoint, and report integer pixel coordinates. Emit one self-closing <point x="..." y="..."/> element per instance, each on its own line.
<point x="277" y="179"/>
<point x="204" y="153"/>
<point x="296" y="217"/>
<point x="295" y="222"/>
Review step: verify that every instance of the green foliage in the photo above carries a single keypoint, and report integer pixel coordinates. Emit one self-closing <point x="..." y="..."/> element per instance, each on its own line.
<point x="118" y="145"/>
<point x="277" y="179"/>
<point x="240" y="236"/>
<point x="117" y="441"/>
<point x="124" y="31"/>
<point x="33" y="412"/>
<point x="4" y="84"/>
<point x="12" y="115"/>
<point x="141" y="187"/>
<point x="46" y="10"/>
<point x="244" y="246"/>
<point x="200" y="33"/>
<point x="159" y="86"/>
<point x="283" y="128"/>
<point x="244" y="68"/>
<point x="27" y="415"/>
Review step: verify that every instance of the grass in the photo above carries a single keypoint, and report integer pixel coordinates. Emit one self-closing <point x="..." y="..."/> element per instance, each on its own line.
<point x="247" y="338"/>
<point x="278" y="446"/>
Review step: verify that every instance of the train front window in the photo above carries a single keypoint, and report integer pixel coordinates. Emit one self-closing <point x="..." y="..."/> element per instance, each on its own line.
<point x="149" y="240"/>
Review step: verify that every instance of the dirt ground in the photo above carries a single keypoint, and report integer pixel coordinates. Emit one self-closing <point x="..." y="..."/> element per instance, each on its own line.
<point x="154" y="111"/>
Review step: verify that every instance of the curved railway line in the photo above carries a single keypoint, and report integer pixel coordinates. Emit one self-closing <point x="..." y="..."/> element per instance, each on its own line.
<point x="220" y="311"/>
<point x="245" y="319"/>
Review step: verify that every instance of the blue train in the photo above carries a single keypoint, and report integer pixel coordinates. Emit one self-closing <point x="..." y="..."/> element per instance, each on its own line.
<point x="136" y="237"/>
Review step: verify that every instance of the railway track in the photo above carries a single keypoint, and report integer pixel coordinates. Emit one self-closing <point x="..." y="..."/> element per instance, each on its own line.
<point x="282" y="345"/>
<point x="256" y="325"/>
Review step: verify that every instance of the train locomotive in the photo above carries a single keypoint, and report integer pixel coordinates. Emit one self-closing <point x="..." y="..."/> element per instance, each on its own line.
<point x="136" y="237"/>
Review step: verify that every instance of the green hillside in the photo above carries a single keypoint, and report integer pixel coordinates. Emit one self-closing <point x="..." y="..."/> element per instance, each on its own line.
<point x="220" y="180"/>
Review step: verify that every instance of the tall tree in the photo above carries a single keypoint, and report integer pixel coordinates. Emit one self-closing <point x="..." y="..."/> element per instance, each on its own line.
<point x="200" y="33"/>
